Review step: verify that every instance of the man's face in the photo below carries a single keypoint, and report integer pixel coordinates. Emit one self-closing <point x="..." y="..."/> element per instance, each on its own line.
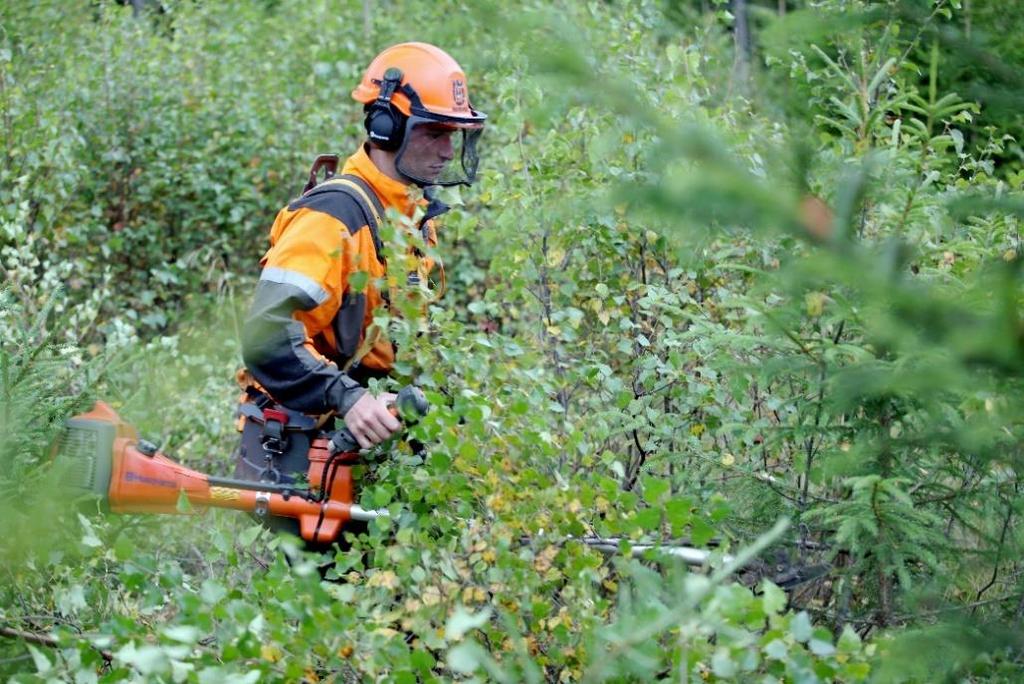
<point x="427" y="152"/>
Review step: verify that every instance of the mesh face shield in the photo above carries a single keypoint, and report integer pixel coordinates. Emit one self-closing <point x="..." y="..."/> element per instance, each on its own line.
<point x="439" y="151"/>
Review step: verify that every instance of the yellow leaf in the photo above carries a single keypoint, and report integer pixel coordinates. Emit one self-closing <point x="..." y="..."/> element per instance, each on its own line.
<point x="697" y="430"/>
<point x="728" y="459"/>
<point x="555" y="257"/>
<point x="815" y="302"/>
<point x="545" y="559"/>
<point x="270" y="653"/>
<point x="384" y="578"/>
<point x="431" y="596"/>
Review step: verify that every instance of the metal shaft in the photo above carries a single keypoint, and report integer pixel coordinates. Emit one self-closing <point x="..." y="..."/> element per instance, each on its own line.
<point x="357" y="512"/>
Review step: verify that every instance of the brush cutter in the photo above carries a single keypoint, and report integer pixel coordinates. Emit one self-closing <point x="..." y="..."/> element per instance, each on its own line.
<point x="103" y="457"/>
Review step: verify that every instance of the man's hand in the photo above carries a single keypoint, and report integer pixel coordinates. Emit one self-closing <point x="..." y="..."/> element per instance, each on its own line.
<point x="370" y="421"/>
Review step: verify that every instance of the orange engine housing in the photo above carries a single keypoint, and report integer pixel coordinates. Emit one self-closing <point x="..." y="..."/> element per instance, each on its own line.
<point x="141" y="482"/>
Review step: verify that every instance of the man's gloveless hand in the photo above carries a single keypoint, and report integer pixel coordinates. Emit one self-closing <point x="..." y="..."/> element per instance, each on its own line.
<point x="370" y="421"/>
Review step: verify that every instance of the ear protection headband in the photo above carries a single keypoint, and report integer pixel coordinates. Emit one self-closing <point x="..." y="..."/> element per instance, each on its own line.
<point x="384" y="124"/>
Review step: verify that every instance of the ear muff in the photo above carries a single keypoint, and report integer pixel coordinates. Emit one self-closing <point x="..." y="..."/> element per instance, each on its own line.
<point x="384" y="124"/>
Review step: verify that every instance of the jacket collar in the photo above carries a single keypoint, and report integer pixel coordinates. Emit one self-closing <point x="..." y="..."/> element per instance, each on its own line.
<point x="392" y="193"/>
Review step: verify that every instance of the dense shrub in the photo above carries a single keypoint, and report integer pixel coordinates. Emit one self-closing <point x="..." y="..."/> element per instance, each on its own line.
<point x="652" y="335"/>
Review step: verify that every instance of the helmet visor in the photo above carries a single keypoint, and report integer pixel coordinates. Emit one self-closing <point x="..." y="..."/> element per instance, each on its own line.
<point x="435" y="152"/>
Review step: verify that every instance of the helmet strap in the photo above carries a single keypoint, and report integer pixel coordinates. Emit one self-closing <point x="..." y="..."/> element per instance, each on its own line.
<point x="414" y="97"/>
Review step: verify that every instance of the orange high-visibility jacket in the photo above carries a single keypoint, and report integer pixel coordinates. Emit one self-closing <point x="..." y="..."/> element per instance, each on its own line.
<point x="305" y="322"/>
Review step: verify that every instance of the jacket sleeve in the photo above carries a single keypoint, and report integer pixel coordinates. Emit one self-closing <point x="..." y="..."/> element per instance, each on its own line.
<point x="303" y="272"/>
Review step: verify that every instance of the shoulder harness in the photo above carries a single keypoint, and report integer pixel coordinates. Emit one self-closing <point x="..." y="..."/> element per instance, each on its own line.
<point x="347" y="198"/>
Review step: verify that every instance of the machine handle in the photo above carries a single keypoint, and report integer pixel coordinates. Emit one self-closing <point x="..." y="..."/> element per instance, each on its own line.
<point x="409" y="406"/>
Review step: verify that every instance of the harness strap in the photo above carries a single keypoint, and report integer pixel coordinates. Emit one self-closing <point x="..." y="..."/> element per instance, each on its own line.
<point x="355" y="187"/>
<point x="293" y="419"/>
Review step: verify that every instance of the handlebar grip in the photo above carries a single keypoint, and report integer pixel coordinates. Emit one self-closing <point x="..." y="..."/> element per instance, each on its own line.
<point x="343" y="441"/>
<point x="411" y="403"/>
<point x="409" y="406"/>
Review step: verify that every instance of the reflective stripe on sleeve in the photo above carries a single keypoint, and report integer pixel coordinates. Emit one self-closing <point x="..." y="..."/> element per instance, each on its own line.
<point x="283" y="276"/>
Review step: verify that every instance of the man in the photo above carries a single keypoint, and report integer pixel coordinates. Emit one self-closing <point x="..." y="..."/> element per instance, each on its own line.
<point x="305" y="340"/>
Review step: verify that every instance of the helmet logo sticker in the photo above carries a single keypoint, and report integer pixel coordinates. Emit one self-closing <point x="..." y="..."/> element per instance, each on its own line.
<point x="459" y="93"/>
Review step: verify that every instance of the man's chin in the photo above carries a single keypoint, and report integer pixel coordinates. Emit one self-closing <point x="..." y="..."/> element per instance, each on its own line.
<point x="426" y="176"/>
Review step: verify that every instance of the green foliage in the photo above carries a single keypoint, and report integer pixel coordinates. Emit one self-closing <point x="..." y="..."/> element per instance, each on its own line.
<point x="649" y="337"/>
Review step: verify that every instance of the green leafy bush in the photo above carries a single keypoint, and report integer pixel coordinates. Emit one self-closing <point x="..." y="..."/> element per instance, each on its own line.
<point x="651" y="336"/>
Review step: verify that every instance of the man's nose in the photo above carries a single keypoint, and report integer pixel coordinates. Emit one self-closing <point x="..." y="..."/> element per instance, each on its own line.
<point x="446" y="150"/>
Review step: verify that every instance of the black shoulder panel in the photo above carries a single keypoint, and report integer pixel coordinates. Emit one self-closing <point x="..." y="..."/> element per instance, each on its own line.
<point x="337" y="201"/>
<point x="368" y="190"/>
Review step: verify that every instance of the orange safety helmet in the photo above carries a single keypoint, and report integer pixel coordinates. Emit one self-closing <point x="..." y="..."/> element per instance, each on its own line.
<point x="418" y="84"/>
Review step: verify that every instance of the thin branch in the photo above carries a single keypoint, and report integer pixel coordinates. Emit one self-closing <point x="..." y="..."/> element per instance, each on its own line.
<point x="15" y="659"/>
<point x="999" y="554"/>
<point x="641" y="459"/>
<point x="45" y="640"/>
<point x="910" y="617"/>
<point x="660" y="388"/>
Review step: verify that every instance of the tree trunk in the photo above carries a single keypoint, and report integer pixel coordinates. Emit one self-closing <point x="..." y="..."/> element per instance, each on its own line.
<point x="741" y="66"/>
